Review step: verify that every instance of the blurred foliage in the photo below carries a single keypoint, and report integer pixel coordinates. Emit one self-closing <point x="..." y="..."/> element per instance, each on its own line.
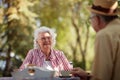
<point x="19" y="18"/>
<point x="17" y="26"/>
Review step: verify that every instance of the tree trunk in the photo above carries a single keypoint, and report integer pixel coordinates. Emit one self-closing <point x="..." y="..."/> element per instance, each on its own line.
<point x="84" y="62"/>
<point x="6" y="71"/>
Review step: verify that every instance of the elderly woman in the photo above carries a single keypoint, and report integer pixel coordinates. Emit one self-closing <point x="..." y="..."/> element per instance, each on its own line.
<point x="43" y="54"/>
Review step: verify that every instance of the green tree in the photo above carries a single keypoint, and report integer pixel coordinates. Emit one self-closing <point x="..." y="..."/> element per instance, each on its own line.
<point x="16" y="28"/>
<point x="70" y="18"/>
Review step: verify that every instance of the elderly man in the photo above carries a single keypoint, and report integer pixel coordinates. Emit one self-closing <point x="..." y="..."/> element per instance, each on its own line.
<point x="104" y="20"/>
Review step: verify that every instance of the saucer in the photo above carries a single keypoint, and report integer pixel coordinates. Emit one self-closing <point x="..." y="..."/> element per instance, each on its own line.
<point x="65" y="76"/>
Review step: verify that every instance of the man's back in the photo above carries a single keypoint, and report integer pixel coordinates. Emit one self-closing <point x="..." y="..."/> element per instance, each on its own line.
<point x="107" y="51"/>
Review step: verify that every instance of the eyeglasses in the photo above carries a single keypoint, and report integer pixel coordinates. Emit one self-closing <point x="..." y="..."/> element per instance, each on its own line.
<point x="45" y="38"/>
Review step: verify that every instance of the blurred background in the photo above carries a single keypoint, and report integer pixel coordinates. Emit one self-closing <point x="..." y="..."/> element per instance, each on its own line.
<point x="70" y="18"/>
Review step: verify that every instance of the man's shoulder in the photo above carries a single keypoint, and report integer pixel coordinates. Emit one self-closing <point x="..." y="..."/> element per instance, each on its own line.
<point x="101" y="33"/>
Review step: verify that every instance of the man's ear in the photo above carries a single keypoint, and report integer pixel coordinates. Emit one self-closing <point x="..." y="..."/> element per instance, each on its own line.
<point x="36" y="41"/>
<point x="98" y="20"/>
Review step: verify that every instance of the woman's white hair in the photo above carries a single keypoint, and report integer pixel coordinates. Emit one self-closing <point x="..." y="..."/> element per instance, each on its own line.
<point x="44" y="29"/>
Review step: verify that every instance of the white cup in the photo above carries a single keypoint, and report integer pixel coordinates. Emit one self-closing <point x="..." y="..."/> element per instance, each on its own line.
<point x="65" y="73"/>
<point x="71" y="63"/>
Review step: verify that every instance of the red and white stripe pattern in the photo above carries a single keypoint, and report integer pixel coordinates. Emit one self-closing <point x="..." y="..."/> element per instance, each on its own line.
<point x="58" y="59"/>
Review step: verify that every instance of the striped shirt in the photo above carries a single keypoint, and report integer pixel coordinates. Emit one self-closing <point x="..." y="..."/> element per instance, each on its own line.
<point x="37" y="58"/>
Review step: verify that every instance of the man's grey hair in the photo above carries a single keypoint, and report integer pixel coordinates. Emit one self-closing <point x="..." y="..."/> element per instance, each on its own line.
<point x="106" y="18"/>
<point x="51" y="31"/>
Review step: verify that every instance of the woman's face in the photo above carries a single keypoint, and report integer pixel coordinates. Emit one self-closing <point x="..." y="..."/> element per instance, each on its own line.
<point x="45" y="41"/>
